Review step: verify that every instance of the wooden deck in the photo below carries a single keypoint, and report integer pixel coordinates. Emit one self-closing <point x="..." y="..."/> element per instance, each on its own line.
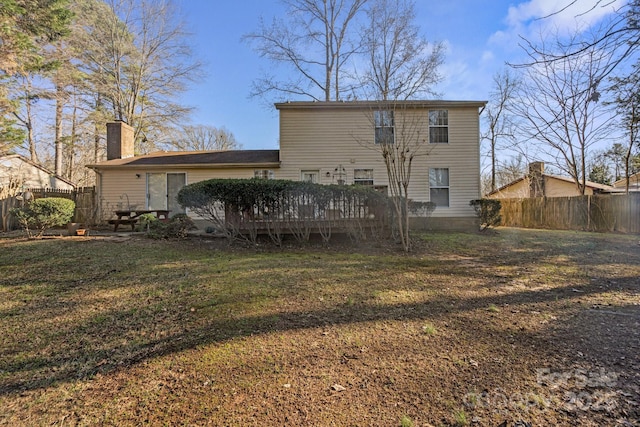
<point x="343" y="225"/>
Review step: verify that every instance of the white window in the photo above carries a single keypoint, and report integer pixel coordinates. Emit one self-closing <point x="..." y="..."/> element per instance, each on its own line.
<point x="264" y="174"/>
<point x="310" y="176"/>
<point x="439" y="186"/>
<point x="439" y="126"/>
<point x="363" y="176"/>
<point x="384" y="132"/>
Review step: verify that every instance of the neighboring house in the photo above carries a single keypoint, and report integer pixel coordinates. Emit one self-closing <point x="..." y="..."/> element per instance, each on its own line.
<point x="539" y="184"/>
<point x="322" y="142"/>
<point x="23" y="172"/>
<point x="634" y="183"/>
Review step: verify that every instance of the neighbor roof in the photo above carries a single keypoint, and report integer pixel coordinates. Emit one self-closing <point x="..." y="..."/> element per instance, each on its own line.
<point x="634" y="181"/>
<point x="197" y="159"/>
<point x="37" y="166"/>
<point x="590" y="184"/>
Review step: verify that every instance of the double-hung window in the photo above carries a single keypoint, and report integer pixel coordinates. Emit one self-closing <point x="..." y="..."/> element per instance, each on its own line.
<point x="264" y="174"/>
<point x="439" y="126"/>
<point x="439" y="186"/>
<point x="310" y="176"/>
<point x="363" y="177"/>
<point x="384" y="127"/>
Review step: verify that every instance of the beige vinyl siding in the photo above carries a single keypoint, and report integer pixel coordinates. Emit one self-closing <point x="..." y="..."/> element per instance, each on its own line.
<point x="553" y="187"/>
<point x="559" y="188"/>
<point x="323" y="139"/>
<point x="121" y="189"/>
<point x="518" y="190"/>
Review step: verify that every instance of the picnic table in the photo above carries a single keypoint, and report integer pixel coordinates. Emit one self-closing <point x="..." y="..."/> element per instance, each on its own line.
<point x="130" y="216"/>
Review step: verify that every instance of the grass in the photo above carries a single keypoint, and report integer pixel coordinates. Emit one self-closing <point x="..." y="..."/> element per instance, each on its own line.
<point x="493" y="308"/>
<point x="406" y="422"/>
<point x="461" y="418"/>
<point x="112" y="332"/>
<point x="429" y="329"/>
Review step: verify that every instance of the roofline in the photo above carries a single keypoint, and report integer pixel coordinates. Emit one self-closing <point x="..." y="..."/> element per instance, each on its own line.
<point x="514" y="182"/>
<point x="42" y="168"/>
<point x="187" y="166"/>
<point x="635" y="178"/>
<point x="588" y="184"/>
<point x="377" y="104"/>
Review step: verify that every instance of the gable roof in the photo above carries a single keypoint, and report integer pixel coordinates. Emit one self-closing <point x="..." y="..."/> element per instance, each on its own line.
<point x="197" y="159"/>
<point x="634" y="182"/>
<point x="10" y="157"/>
<point x="589" y="184"/>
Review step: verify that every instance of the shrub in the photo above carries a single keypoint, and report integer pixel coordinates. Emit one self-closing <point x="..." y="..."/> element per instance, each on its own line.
<point x="422" y="209"/>
<point x="146" y="222"/>
<point x="177" y="227"/>
<point x="488" y="210"/>
<point x="240" y="207"/>
<point x="41" y="214"/>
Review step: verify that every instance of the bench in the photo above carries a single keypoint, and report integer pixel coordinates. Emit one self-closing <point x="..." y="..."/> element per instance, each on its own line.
<point x="117" y="222"/>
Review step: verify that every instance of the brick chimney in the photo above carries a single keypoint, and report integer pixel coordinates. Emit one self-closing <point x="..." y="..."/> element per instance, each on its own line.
<point x="536" y="179"/>
<point x="119" y="140"/>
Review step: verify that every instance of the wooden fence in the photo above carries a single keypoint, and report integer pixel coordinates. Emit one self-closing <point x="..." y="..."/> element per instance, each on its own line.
<point x="610" y="212"/>
<point x="84" y="197"/>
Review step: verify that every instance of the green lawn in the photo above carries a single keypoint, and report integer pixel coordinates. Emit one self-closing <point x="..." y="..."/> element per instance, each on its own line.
<point x="105" y="331"/>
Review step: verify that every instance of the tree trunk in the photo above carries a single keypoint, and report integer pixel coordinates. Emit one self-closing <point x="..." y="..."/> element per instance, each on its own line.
<point x="58" y="130"/>
<point x="32" y="143"/>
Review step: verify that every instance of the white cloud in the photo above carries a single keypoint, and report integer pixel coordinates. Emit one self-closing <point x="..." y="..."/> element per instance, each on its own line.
<point x="535" y="18"/>
<point x="487" y="57"/>
<point x="565" y="14"/>
<point x="468" y="73"/>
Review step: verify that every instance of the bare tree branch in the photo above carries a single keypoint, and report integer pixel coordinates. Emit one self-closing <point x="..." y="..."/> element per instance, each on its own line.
<point x="315" y="41"/>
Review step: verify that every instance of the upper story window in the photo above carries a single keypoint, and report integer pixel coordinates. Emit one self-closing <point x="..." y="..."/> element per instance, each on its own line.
<point x="439" y="126"/>
<point x="384" y="132"/>
<point x="363" y="176"/>
<point x="264" y="174"/>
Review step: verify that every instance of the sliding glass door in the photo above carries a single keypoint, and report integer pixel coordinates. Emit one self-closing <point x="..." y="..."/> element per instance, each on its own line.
<point x="162" y="190"/>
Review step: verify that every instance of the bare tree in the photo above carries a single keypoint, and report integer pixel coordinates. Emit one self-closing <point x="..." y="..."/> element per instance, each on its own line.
<point x="620" y="36"/>
<point x="401" y="63"/>
<point x="138" y="58"/>
<point x="626" y="91"/>
<point x="202" y="138"/>
<point x="507" y="171"/>
<point x="559" y="109"/>
<point x="399" y="138"/>
<point x="314" y="41"/>
<point x="498" y="120"/>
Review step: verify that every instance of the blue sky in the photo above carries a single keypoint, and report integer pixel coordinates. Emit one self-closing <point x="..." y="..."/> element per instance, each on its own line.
<point x="480" y="35"/>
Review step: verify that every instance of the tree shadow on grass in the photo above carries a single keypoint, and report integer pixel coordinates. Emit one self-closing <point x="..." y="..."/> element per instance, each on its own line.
<point x="107" y="341"/>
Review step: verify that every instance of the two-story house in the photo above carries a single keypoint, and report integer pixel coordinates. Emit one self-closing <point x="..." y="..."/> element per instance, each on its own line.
<point x="322" y="142"/>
